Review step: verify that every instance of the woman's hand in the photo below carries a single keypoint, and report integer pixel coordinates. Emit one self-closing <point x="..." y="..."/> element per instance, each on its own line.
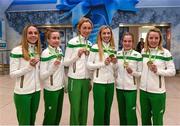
<point x="34" y="61"/>
<point x="107" y="61"/>
<point x="129" y="70"/>
<point x="153" y="68"/>
<point x="57" y="62"/>
<point x="80" y="52"/>
<point x="114" y="60"/>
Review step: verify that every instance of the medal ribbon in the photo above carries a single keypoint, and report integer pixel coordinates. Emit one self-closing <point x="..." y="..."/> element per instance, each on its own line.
<point x="124" y="55"/>
<point x="150" y="56"/>
<point x="32" y="53"/>
<point x="107" y="50"/>
<point x="56" y="52"/>
<point x="86" y="43"/>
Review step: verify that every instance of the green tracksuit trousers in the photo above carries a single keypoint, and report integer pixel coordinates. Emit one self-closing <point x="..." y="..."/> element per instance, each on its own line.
<point x="53" y="101"/>
<point x="26" y="107"/>
<point x="127" y="106"/>
<point x="78" y="90"/>
<point x="103" y="97"/>
<point x="152" y="107"/>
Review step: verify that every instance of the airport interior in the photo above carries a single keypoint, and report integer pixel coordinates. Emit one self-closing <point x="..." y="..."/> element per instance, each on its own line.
<point x="147" y="14"/>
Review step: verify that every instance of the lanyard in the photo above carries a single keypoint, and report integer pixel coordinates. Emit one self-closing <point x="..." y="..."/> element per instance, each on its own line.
<point x="150" y="56"/>
<point x="85" y="42"/>
<point x="126" y="64"/>
<point x="54" y="52"/>
<point x="107" y="50"/>
<point x="32" y="53"/>
<point x="125" y="55"/>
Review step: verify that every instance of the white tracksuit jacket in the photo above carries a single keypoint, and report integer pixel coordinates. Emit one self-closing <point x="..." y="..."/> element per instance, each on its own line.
<point x="23" y="72"/>
<point x="52" y="76"/>
<point x="126" y="81"/>
<point x="154" y="82"/>
<point x="102" y="73"/>
<point x="77" y="65"/>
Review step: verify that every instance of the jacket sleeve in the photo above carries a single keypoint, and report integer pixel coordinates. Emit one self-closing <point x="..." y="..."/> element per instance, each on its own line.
<point x="70" y="57"/>
<point x="16" y="70"/>
<point x="92" y="64"/>
<point x="169" y="67"/>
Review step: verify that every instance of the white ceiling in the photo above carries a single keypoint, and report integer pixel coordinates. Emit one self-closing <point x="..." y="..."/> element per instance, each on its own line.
<point x="4" y="4"/>
<point x="158" y="3"/>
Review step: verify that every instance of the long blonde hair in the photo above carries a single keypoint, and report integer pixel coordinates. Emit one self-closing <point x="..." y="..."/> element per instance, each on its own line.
<point x="146" y="45"/>
<point x="99" y="41"/>
<point x="24" y="43"/>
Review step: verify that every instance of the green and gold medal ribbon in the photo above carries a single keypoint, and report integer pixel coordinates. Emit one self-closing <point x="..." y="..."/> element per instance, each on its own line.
<point x="125" y="58"/>
<point x="151" y="60"/>
<point x="55" y="52"/>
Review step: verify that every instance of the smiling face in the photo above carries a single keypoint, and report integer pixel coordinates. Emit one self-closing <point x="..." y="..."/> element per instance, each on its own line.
<point x="127" y="42"/>
<point x="106" y="35"/>
<point x="153" y="39"/>
<point x="32" y="35"/>
<point x="54" y="39"/>
<point x="85" y="29"/>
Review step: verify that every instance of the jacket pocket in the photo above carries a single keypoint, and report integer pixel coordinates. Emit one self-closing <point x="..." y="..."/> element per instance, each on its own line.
<point x="74" y="67"/>
<point x="97" y="73"/>
<point x="160" y="82"/>
<point x="51" y="80"/>
<point x="134" y="80"/>
<point x="22" y="81"/>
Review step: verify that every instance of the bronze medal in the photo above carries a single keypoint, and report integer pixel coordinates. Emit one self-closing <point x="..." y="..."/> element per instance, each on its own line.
<point x="86" y="52"/>
<point x="59" y="57"/>
<point x="111" y="55"/>
<point x="149" y="63"/>
<point x="125" y="64"/>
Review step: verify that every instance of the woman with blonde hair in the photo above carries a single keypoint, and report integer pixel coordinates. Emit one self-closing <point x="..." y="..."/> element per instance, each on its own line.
<point x="24" y="67"/>
<point x="76" y="55"/>
<point x="101" y="61"/>
<point x="157" y="64"/>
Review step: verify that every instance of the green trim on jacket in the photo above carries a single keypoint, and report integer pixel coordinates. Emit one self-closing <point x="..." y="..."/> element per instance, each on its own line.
<point x="158" y="57"/>
<point x="43" y="59"/>
<point x="130" y="58"/>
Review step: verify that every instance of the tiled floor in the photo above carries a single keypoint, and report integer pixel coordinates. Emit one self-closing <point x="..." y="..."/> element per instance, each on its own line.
<point x="8" y="113"/>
